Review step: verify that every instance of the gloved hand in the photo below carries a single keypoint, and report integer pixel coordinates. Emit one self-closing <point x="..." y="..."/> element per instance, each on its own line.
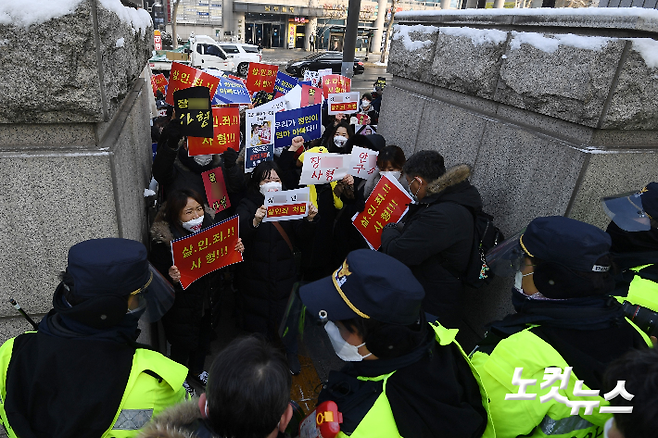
<point x="174" y="133"/>
<point x="229" y="156"/>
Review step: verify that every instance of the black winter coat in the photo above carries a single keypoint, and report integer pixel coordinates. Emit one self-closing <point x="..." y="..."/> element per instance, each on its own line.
<point x="182" y="323"/>
<point x="267" y="275"/>
<point x="436" y="240"/>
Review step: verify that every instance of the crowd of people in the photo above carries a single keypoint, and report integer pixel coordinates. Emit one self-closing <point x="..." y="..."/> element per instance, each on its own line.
<point x="585" y="301"/>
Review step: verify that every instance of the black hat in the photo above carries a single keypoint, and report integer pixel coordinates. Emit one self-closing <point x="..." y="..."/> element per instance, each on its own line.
<point x="375" y="142"/>
<point x="368" y="285"/>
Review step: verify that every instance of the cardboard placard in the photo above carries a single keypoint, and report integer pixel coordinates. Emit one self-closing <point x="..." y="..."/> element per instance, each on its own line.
<point x="345" y="103"/>
<point x="231" y="92"/>
<point x="213" y="182"/>
<point x="313" y="77"/>
<point x="260" y="127"/>
<point x="310" y="96"/>
<point x="254" y="155"/>
<point x="319" y="168"/>
<point x="206" y="251"/>
<point x="194" y="111"/>
<point x="183" y="76"/>
<point x="387" y="203"/>
<point x="335" y="84"/>
<point x="159" y="83"/>
<point x="287" y="204"/>
<point x="283" y="83"/>
<point x="363" y="162"/>
<point x="261" y="77"/>
<point x="226" y="134"/>
<point x="306" y="122"/>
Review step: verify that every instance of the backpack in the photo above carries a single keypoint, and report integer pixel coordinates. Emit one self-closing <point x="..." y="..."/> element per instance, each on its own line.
<point x="485" y="236"/>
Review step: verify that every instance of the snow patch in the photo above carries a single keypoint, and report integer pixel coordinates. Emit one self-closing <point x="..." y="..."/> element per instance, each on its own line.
<point x="139" y="19"/>
<point x="120" y="42"/>
<point x="636" y="12"/>
<point x="381" y="64"/>
<point x="477" y="36"/>
<point x="648" y="48"/>
<point x="402" y="33"/>
<point x="552" y="43"/>
<point x="148" y="192"/>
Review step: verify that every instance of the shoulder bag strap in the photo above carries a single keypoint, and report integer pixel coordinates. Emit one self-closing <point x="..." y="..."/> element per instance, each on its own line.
<point x="283" y="233"/>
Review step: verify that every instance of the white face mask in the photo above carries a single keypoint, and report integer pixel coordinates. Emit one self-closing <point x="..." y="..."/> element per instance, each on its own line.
<point x="365" y="103"/>
<point x="340" y="141"/>
<point x="202" y="160"/>
<point x="518" y="285"/>
<point x="193" y="225"/>
<point x="272" y="186"/>
<point x="393" y="174"/>
<point x="343" y="349"/>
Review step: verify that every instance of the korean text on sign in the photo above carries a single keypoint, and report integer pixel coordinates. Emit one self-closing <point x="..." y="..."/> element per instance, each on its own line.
<point x="319" y="168"/>
<point x="183" y="76"/>
<point x="231" y="92"/>
<point x="287" y="205"/>
<point x="159" y="83"/>
<point x="387" y="203"/>
<point x="343" y="103"/>
<point x="254" y="155"/>
<point x="261" y="77"/>
<point x="283" y="83"/>
<point x="206" y="251"/>
<point x="334" y="84"/>
<point x="313" y="77"/>
<point x="554" y="374"/>
<point x="260" y="127"/>
<point x="306" y="122"/>
<point x="363" y="162"/>
<point x="213" y="182"/>
<point x="226" y="129"/>
<point x="194" y="111"/>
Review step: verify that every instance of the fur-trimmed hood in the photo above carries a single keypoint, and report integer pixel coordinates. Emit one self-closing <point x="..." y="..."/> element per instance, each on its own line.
<point x="452" y="177"/>
<point x="161" y="231"/>
<point x="453" y="186"/>
<point x="170" y="422"/>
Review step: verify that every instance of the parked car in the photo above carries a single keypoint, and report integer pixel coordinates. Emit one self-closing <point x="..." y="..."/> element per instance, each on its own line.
<point x="242" y="55"/>
<point x="200" y="52"/>
<point x="320" y="61"/>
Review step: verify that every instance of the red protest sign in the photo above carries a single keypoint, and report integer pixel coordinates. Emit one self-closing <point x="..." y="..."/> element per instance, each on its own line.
<point x="183" y="76"/>
<point x="235" y="78"/>
<point x="213" y="181"/>
<point x="226" y="133"/>
<point x="332" y="84"/>
<point x="386" y="204"/>
<point x="261" y="77"/>
<point x="159" y="83"/>
<point x="310" y="96"/>
<point x="206" y="251"/>
<point x="283" y="210"/>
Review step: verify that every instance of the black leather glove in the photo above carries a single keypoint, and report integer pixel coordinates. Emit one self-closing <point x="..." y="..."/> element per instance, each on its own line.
<point x="174" y="133"/>
<point x="229" y="156"/>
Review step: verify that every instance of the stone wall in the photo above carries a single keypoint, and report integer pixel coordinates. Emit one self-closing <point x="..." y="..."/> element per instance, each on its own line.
<point x="74" y="145"/>
<point x="552" y="109"/>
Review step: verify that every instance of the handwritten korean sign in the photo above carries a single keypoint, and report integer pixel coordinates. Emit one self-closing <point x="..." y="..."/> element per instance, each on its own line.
<point x="226" y="134"/>
<point x="194" y="111"/>
<point x="386" y="204"/>
<point x="254" y="155"/>
<point x="362" y="162"/>
<point x="261" y="77"/>
<point x="213" y="181"/>
<point x="159" y="83"/>
<point x="343" y="103"/>
<point x="319" y="168"/>
<point x="303" y="121"/>
<point x="334" y="84"/>
<point x="231" y="92"/>
<point x="206" y="251"/>
<point x="287" y="205"/>
<point x="183" y="76"/>
<point x="283" y="83"/>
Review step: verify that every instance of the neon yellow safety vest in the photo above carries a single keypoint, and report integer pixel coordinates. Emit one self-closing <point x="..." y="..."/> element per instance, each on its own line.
<point x="144" y="396"/>
<point x="532" y="418"/>
<point x="642" y="292"/>
<point x="379" y="421"/>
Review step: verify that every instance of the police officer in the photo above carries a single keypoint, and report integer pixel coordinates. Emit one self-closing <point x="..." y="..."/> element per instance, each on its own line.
<point x="565" y="323"/>
<point x="404" y="376"/>
<point x="82" y="374"/>
<point x="634" y="233"/>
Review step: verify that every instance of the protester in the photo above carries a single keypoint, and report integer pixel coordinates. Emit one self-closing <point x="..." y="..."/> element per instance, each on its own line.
<point x="365" y="107"/>
<point x="247" y="396"/>
<point x="435" y="237"/>
<point x="267" y="275"/>
<point x="337" y="138"/>
<point x="390" y="162"/>
<point x="82" y="374"/>
<point x="564" y="319"/>
<point x="405" y="377"/>
<point x="188" y="323"/>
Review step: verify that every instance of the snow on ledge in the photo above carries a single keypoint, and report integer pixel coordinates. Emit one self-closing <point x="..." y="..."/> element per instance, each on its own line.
<point x="477" y="36"/>
<point x="551" y="44"/>
<point x="402" y="33"/>
<point x="648" y="49"/>
<point x="636" y="12"/>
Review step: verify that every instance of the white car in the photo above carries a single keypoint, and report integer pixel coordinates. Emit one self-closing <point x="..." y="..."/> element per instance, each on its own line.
<point x="242" y="55"/>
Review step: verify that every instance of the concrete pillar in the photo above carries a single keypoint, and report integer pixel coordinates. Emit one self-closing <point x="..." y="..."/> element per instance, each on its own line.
<point x="471" y="4"/>
<point x="537" y="3"/>
<point x="311" y="28"/>
<point x="445" y="4"/>
<point x="240" y="26"/>
<point x="500" y="3"/>
<point x="376" y="43"/>
<point x="228" y="19"/>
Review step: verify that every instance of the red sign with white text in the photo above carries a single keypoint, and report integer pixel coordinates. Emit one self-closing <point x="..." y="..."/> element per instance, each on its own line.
<point x="261" y="77"/>
<point x="386" y="204"/>
<point x="157" y="40"/>
<point x="332" y="84"/>
<point x="159" y="83"/>
<point x="213" y="181"/>
<point x="226" y="130"/>
<point x="206" y="251"/>
<point x="183" y="76"/>
<point x="286" y="210"/>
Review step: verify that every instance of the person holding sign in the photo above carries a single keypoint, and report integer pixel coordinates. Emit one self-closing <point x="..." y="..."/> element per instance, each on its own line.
<point x="188" y="323"/>
<point x="390" y="161"/>
<point x="268" y="272"/>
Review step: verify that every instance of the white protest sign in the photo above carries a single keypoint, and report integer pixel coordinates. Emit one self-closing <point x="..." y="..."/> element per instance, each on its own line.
<point x="290" y="100"/>
<point x="312" y="76"/>
<point x="344" y="103"/>
<point x="287" y="205"/>
<point x="260" y="126"/>
<point x="324" y="72"/>
<point x="319" y="168"/>
<point x="363" y="162"/>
